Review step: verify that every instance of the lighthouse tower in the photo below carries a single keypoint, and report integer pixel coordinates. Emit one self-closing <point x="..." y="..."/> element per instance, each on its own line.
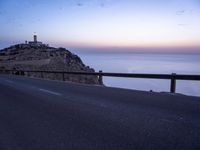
<point x="35" y="42"/>
<point x="35" y="38"/>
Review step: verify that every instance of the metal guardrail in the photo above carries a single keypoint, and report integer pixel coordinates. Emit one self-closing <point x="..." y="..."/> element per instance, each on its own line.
<point x="173" y="77"/>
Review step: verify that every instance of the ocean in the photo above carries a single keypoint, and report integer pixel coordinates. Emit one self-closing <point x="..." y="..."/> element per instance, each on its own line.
<point x="147" y="63"/>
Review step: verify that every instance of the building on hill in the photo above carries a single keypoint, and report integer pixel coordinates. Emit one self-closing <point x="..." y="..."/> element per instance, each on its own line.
<point x="35" y="42"/>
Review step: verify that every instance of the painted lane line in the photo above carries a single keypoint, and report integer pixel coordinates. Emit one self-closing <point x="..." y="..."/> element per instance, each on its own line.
<point x="9" y="81"/>
<point x="50" y="92"/>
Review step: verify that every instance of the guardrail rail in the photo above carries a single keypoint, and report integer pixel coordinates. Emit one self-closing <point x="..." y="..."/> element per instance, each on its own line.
<point x="173" y="77"/>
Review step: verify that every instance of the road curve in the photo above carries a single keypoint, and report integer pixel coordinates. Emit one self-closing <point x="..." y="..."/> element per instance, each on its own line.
<point x="51" y="115"/>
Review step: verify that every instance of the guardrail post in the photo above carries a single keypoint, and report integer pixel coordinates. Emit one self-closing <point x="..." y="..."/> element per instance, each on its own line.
<point x="173" y="83"/>
<point x="41" y="74"/>
<point x="63" y="76"/>
<point x="100" y="79"/>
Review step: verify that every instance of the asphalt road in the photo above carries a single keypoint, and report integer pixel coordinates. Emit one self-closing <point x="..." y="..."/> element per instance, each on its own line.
<point x="51" y="115"/>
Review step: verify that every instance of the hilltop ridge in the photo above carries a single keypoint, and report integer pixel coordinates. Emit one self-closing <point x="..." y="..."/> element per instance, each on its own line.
<point x="45" y="58"/>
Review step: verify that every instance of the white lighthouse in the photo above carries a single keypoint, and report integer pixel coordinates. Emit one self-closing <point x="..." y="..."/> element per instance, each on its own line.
<point x="35" y="42"/>
<point x="35" y="38"/>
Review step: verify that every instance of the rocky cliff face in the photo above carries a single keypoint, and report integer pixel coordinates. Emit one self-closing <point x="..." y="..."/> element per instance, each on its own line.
<point x="45" y="58"/>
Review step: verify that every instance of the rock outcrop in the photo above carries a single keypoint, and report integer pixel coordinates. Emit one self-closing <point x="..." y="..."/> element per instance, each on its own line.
<point x="45" y="58"/>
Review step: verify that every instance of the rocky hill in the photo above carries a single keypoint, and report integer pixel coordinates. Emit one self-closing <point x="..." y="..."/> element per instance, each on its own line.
<point x="45" y="58"/>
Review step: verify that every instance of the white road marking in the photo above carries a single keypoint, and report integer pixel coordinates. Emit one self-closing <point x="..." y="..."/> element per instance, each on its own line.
<point x="50" y="92"/>
<point x="167" y="120"/>
<point x="9" y="81"/>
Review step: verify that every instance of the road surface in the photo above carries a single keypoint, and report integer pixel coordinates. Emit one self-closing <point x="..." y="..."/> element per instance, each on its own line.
<point x="40" y="114"/>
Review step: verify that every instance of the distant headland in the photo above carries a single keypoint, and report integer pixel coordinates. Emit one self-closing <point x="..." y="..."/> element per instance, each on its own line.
<point x="35" y="55"/>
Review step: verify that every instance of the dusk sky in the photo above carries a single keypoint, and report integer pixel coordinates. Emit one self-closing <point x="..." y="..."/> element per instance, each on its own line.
<point x="104" y="25"/>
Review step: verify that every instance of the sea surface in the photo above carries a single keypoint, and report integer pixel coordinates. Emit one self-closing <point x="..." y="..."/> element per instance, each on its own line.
<point x="147" y="63"/>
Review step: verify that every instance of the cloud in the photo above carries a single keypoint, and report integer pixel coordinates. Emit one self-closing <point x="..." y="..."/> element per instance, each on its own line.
<point x="2" y="12"/>
<point x="99" y="3"/>
<point x="79" y="4"/>
<point x="180" y="12"/>
<point x="182" y="24"/>
<point x="102" y="5"/>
